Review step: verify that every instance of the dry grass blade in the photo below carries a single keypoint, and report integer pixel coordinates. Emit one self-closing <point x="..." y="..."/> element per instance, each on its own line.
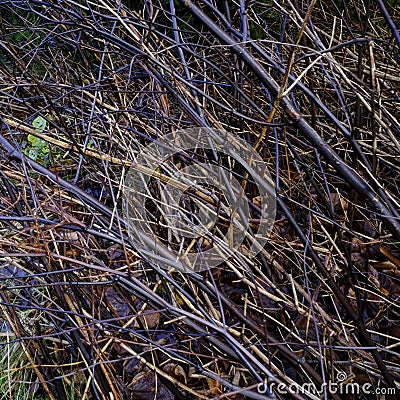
<point x="312" y="87"/>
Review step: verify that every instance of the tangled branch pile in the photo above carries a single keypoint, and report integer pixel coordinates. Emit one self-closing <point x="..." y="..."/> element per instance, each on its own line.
<point x="313" y="87"/>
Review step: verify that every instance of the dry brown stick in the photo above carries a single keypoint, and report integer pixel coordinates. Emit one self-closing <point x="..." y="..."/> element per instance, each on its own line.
<point x="348" y="173"/>
<point x="13" y="321"/>
<point x="351" y="176"/>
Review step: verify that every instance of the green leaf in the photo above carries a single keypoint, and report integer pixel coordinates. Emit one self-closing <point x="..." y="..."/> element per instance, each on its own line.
<point x="33" y="140"/>
<point x="44" y="148"/>
<point x="33" y="153"/>
<point x="39" y="123"/>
